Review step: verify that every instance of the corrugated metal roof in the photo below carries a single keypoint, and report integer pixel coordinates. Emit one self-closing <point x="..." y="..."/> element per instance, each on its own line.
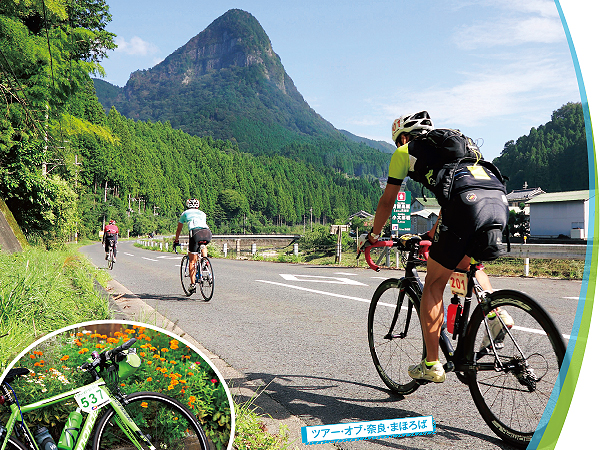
<point x="569" y="196"/>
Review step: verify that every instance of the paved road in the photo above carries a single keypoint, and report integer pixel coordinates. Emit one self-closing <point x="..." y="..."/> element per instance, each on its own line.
<point x="301" y="330"/>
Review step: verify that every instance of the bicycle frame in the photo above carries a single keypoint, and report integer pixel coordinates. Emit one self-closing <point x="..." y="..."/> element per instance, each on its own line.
<point x="124" y="421"/>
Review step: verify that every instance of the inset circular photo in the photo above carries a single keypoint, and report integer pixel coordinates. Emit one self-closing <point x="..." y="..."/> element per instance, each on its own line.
<point x="114" y="385"/>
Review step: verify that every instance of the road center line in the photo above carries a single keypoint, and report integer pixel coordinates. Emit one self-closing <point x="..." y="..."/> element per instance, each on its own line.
<point x="331" y="294"/>
<point x="150" y="259"/>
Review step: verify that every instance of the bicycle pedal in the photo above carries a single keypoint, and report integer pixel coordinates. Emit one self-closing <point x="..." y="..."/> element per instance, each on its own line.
<point x="449" y="367"/>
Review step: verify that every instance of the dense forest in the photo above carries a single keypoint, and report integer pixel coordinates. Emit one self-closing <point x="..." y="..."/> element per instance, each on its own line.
<point x="553" y="156"/>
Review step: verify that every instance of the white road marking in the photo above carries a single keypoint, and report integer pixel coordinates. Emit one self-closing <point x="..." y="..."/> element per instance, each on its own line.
<point x="128" y="254"/>
<point x="364" y="300"/>
<point x="331" y="294"/>
<point x="150" y="259"/>
<point x="169" y="257"/>
<point x="320" y="279"/>
<point x="571" y="298"/>
<point x="347" y="274"/>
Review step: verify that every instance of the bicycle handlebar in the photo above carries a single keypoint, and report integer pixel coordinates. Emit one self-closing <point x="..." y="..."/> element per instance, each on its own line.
<point x="415" y="244"/>
<point x="101" y="358"/>
<point x="367" y="251"/>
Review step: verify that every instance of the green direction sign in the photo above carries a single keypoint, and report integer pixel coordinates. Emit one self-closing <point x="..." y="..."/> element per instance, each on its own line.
<point x="401" y="214"/>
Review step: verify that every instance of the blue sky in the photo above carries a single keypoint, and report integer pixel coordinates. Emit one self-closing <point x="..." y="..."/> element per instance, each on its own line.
<point x="493" y="69"/>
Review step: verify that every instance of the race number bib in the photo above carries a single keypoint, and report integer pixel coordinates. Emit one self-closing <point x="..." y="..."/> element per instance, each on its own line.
<point x="458" y="283"/>
<point x="92" y="398"/>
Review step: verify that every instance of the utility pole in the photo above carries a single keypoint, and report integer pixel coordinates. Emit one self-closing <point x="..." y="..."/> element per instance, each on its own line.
<point x="311" y="218"/>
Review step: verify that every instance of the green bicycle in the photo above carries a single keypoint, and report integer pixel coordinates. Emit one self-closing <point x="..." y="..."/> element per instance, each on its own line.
<point x="142" y="420"/>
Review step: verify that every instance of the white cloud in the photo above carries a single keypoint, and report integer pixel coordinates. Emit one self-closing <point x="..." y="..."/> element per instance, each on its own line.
<point x="518" y="22"/>
<point x="135" y="46"/>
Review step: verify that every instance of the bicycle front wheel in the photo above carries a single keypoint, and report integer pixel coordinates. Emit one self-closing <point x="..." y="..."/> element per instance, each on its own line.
<point x="111" y="261"/>
<point x="512" y="392"/>
<point x="395" y="336"/>
<point x="162" y="419"/>
<point x="207" y="279"/>
<point x="185" y="275"/>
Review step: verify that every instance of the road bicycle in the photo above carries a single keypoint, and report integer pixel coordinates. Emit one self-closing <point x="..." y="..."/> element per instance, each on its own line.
<point x="510" y="381"/>
<point x="111" y="254"/>
<point x="204" y="276"/>
<point x="142" y="420"/>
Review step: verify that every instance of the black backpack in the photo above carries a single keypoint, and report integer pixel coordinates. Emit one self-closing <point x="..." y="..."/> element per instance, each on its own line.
<point x="453" y="150"/>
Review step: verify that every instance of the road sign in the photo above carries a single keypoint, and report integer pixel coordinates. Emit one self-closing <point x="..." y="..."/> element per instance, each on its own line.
<point x="401" y="214"/>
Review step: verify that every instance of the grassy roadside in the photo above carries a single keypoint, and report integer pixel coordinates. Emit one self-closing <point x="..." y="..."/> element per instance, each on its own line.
<point x="42" y="291"/>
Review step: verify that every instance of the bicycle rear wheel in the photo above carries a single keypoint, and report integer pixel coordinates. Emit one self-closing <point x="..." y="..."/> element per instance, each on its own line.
<point x="395" y="336"/>
<point x="207" y="279"/>
<point x="512" y="399"/>
<point x="111" y="254"/>
<point x="162" y="419"/>
<point x="185" y="275"/>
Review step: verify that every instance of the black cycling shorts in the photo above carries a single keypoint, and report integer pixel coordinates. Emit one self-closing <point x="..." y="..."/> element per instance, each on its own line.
<point x="199" y="237"/>
<point x="107" y="239"/>
<point x="470" y="224"/>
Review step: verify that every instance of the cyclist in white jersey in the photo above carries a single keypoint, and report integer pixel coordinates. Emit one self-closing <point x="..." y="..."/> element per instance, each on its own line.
<point x="200" y="235"/>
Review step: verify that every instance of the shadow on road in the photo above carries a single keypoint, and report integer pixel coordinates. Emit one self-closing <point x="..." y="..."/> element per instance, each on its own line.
<point x="306" y="397"/>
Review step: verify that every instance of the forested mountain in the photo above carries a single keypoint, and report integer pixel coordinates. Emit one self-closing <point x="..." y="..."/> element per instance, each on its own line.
<point x="553" y="156"/>
<point x="228" y="83"/>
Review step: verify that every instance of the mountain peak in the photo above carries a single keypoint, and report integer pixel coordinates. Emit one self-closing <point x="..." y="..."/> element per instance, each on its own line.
<point x="235" y="39"/>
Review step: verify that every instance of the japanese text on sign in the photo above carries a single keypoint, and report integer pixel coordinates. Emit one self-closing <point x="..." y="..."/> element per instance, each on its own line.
<point x="401" y="213"/>
<point x="379" y="429"/>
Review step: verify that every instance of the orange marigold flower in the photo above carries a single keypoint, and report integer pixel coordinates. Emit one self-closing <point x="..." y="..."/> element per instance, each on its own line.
<point x="163" y="359"/>
<point x="32" y="356"/>
<point x="142" y="354"/>
<point x="166" y="350"/>
<point x="149" y="379"/>
<point x="147" y="338"/>
<point x="64" y="358"/>
<point x="173" y="362"/>
<point x="156" y="356"/>
<point x="149" y="363"/>
<point x="100" y="346"/>
<point x="79" y="334"/>
<point x="186" y="356"/>
<point x="192" y="398"/>
<point x="190" y="373"/>
<point x="119" y="334"/>
<point x="122" y="384"/>
<point x="38" y="353"/>
<point x="144" y="404"/>
<point x="112" y="340"/>
<point x="82" y="351"/>
<point x="170" y="388"/>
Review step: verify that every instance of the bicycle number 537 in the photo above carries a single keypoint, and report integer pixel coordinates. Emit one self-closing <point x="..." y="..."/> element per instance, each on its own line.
<point x="92" y="398"/>
<point x="458" y="283"/>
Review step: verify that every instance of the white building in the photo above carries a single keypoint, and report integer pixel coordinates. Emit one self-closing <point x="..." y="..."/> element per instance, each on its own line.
<point x="560" y="213"/>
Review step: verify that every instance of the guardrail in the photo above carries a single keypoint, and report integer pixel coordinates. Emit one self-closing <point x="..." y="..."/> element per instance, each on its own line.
<point x="546" y="251"/>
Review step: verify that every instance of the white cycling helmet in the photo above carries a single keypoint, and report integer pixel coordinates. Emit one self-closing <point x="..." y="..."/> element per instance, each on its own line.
<point x="416" y="123"/>
<point x="192" y="203"/>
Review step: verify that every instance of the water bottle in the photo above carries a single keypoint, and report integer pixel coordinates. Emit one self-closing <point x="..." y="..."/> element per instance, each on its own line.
<point x="454" y="311"/>
<point x="44" y="440"/>
<point x="71" y="431"/>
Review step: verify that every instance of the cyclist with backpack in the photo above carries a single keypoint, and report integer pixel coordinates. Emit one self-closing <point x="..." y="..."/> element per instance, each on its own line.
<point x="474" y="212"/>
<point x="110" y="234"/>
<point x="200" y="235"/>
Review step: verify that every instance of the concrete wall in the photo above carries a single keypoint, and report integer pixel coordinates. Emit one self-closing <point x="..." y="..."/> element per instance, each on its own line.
<point x="8" y="240"/>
